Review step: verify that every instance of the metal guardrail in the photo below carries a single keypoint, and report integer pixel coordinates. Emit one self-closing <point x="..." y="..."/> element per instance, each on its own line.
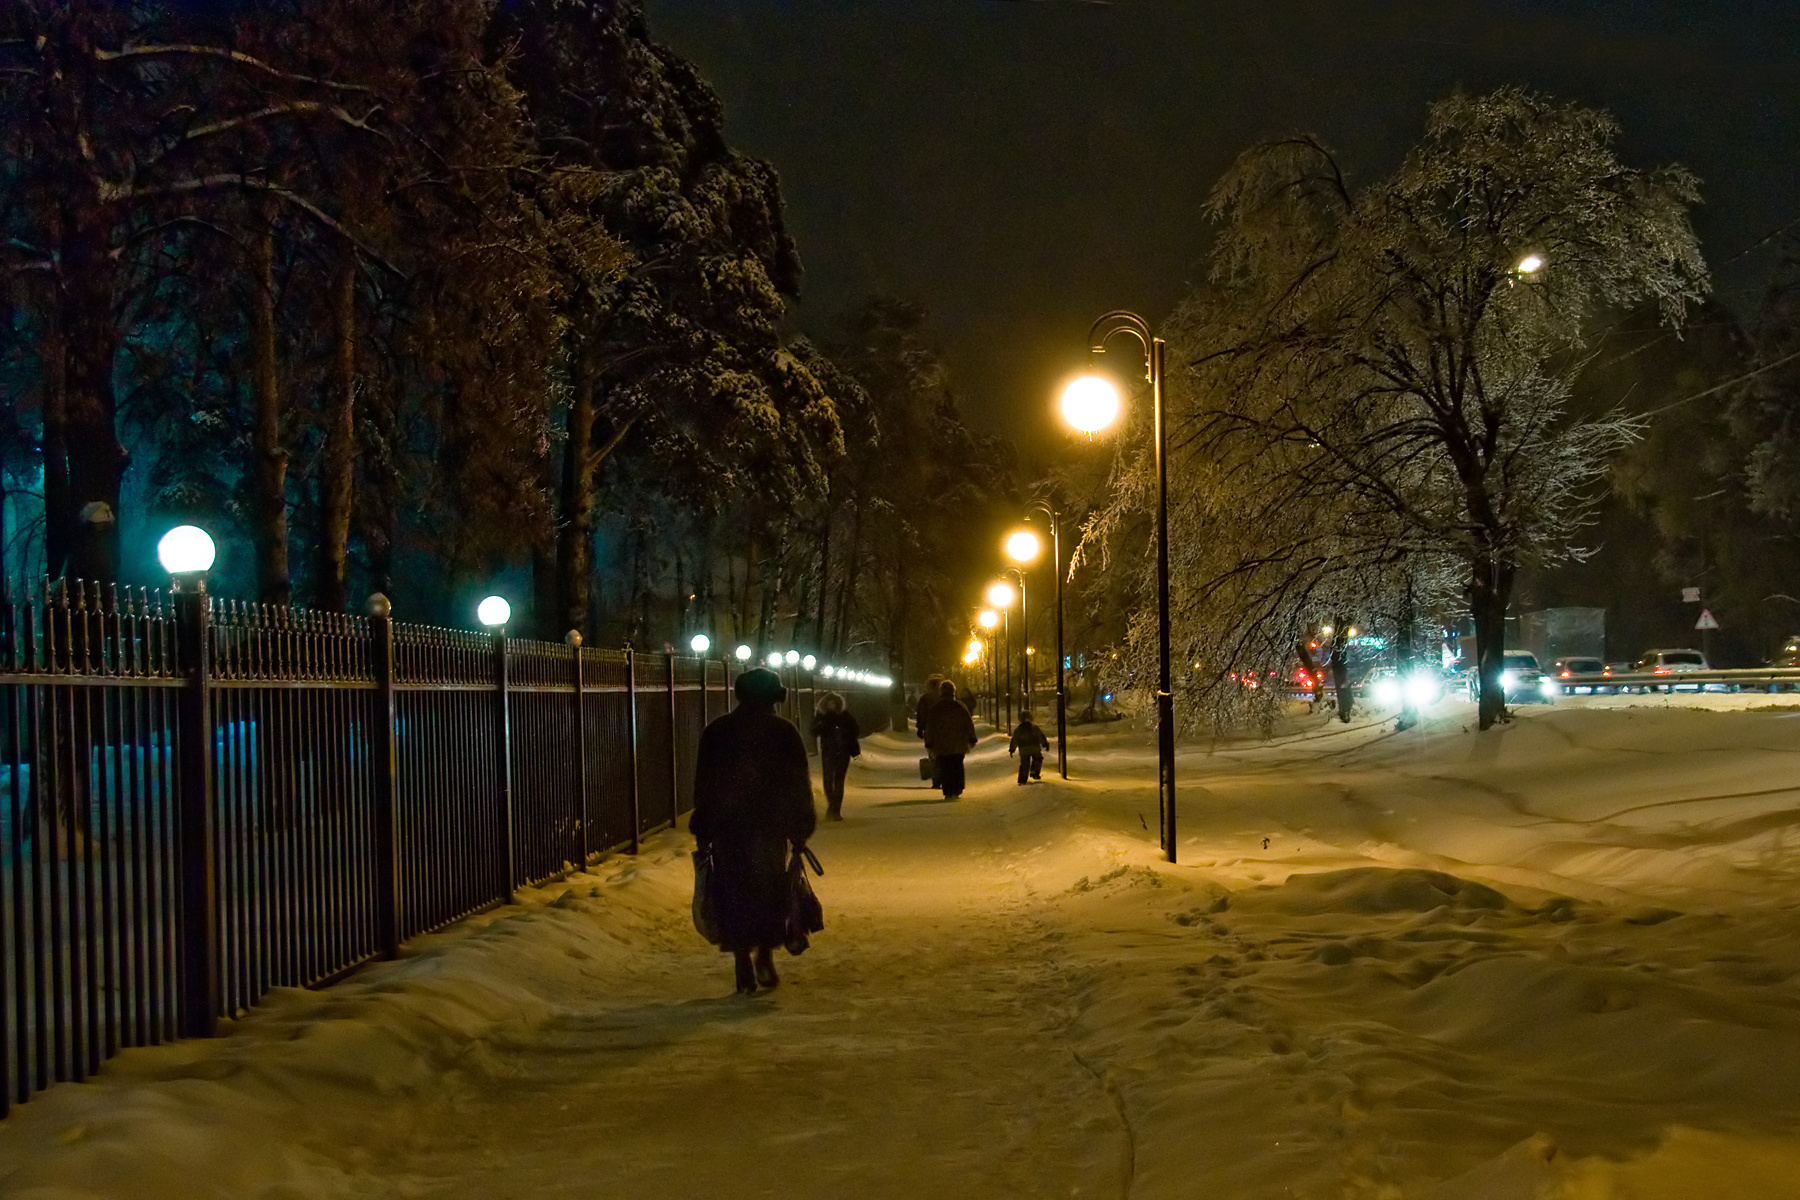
<point x="1772" y="679"/>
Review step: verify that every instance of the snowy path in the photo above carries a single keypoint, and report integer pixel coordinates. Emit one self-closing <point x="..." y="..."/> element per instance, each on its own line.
<point x="1014" y="997"/>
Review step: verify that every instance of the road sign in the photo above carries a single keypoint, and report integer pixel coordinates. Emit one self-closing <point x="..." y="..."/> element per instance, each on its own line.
<point x="1707" y="620"/>
<point x="1690" y="595"/>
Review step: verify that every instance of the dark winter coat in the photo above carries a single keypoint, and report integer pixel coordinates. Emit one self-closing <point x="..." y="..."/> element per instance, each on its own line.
<point x="837" y="734"/>
<point x="1028" y="739"/>
<point x="752" y="799"/>
<point x="949" y="729"/>
<point x="928" y="700"/>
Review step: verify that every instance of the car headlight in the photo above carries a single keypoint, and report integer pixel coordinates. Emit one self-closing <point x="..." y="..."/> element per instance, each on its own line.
<point x="1422" y="690"/>
<point x="1508" y="679"/>
<point x="1387" y="691"/>
<point x="1547" y="686"/>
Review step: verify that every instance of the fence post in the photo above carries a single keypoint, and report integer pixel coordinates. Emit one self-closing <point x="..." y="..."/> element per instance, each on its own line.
<point x="384" y="752"/>
<point x="581" y="795"/>
<point x="674" y="744"/>
<point x="637" y="821"/>
<point x="198" y="833"/>
<point x="503" y="742"/>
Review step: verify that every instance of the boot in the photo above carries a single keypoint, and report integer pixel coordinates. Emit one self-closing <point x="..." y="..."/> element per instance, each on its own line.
<point x="765" y="968"/>
<point x="746" y="974"/>
<point x="834" y="814"/>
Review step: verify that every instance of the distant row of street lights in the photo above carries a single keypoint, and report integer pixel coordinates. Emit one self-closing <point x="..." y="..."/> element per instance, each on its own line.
<point x="188" y="552"/>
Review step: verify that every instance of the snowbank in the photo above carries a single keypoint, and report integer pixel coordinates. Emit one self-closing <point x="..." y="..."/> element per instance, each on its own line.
<point x="1558" y="961"/>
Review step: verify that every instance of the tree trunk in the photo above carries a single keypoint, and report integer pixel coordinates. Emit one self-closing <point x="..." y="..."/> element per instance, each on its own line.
<point x="575" y="530"/>
<point x="59" y="513"/>
<point x="818" y="638"/>
<point x="269" y="524"/>
<point x="96" y="461"/>
<point x="1490" y="590"/>
<point x="338" y="468"/>
<point x="847" y="590"/>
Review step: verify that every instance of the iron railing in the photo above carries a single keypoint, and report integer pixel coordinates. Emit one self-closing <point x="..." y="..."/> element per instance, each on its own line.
<point x="202" y="799"/>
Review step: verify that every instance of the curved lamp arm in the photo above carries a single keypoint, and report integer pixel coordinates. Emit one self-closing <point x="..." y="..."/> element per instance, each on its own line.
<point x="1121" y="320"/>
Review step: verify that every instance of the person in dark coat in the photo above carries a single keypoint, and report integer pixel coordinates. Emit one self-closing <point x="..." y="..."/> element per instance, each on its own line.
<point x="837" y="733"/>
<point x="1029" y="743"/>
<point x="949" y="736"/>
<point x="752" y="803"/>
<point x="928" y="698"/>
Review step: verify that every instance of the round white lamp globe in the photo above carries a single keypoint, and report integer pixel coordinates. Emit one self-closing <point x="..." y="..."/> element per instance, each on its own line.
<point x="493" y="612"/>
<point x="793" y="656"/>
<point x="743" y="653"/>
<point x="701" y="643"/>
<point x="774" y="660"/>
<point x="186" y="550"/>
<point x="809" y="662"/>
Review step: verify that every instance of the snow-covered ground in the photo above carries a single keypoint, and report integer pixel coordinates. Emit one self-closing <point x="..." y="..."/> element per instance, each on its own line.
<point x="1561" y="959"/>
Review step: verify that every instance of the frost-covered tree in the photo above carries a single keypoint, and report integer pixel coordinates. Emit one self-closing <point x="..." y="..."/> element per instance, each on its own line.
<point x="1376" y="379"/>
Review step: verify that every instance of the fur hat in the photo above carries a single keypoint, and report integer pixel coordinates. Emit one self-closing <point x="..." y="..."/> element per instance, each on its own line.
<point x="759" y="685"/>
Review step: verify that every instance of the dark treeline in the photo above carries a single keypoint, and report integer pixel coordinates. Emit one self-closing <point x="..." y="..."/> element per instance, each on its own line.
<point x="436" y="297"/>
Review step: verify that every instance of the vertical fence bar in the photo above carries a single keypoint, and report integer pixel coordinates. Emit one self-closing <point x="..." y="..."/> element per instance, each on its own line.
<point x="583" y="842"/>
<point x="637" y="818"/>
<point x="674" y="742"/>
<point x="384" y="758"/>
<point x="503" y="747"/>
<point x="198" y="933"/>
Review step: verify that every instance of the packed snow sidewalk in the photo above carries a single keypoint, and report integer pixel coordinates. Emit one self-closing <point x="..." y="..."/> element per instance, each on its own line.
<point x="1557" y="960"/>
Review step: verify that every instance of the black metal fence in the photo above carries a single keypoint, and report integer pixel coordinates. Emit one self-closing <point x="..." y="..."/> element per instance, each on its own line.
<point x="202" y="799"/>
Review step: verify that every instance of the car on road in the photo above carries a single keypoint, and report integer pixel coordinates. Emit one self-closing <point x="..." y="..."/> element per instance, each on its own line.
<point x="1676" y="661"/>
<point x="1789" y="654"/>
<point x="1524" y="681"/>
<point x="1566" y="670"/>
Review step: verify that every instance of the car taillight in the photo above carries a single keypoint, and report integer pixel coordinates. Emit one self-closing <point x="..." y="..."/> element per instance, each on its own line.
<point x="1662" y="670"/>
<point x="1567" y="674"/>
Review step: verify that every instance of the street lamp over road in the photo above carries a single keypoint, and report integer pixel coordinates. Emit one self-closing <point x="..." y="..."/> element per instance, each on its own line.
<point x="1000" y="594"/>
<point x="1091" y="403"/>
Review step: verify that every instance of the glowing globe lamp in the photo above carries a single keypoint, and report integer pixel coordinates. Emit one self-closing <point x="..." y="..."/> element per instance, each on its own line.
<point x="493" y="612"/>
<point x="793" y="656"/>
<point x="1090" y="403"/>
<point x="809" y="662"/>
<point x="701" y="643"/>
<point x="1001" y="595"/>
<point x="743" y="653"/>
<point x="186" y="550"/>
<point x="1023" y="546"/>
<point x="988" y="618"/>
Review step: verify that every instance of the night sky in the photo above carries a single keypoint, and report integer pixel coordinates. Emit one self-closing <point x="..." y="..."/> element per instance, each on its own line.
<point x="1020" y="167"/>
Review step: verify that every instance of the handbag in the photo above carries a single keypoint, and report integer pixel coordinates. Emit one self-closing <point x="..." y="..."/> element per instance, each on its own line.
<point x="805" y="914"/>
<point x="706" y="903"/>
<point x="927" y="767"/>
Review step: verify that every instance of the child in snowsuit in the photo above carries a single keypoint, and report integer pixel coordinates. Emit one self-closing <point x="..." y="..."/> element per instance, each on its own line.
<point x="1029" y="743"/>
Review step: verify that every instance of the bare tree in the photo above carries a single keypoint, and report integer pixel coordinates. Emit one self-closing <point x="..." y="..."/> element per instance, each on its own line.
<point x="1392" y="364"/>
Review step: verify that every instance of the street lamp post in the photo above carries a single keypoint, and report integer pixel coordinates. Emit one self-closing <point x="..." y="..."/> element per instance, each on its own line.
<point x="990" y="621"/>
<point x="1091" y="404"/>
<point x="1062" y="706"/>
<point x="1000" y="595"/>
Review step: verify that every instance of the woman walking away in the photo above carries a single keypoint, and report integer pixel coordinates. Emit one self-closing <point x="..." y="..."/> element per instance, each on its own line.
<point x="1029" y="743"/>
<point x="752" y="800"/>
<point x="837" y="733"/>
<point x="928" y="698"/>
<point x="949" y="735"/>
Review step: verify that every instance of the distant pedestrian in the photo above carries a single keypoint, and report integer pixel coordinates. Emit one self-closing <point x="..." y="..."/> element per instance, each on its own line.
<point x="949" y="736"/>
<point x="1029" y="743"/>
<point x="928" y="698"/>
<point x="838" y="737"/>
<point x="752" y="802"/>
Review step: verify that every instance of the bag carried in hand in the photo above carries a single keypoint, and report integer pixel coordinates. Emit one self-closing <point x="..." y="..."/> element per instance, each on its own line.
<point x="805" y="914"/>
<point x="706" y="903"/>
<point x="927" y="768"/>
